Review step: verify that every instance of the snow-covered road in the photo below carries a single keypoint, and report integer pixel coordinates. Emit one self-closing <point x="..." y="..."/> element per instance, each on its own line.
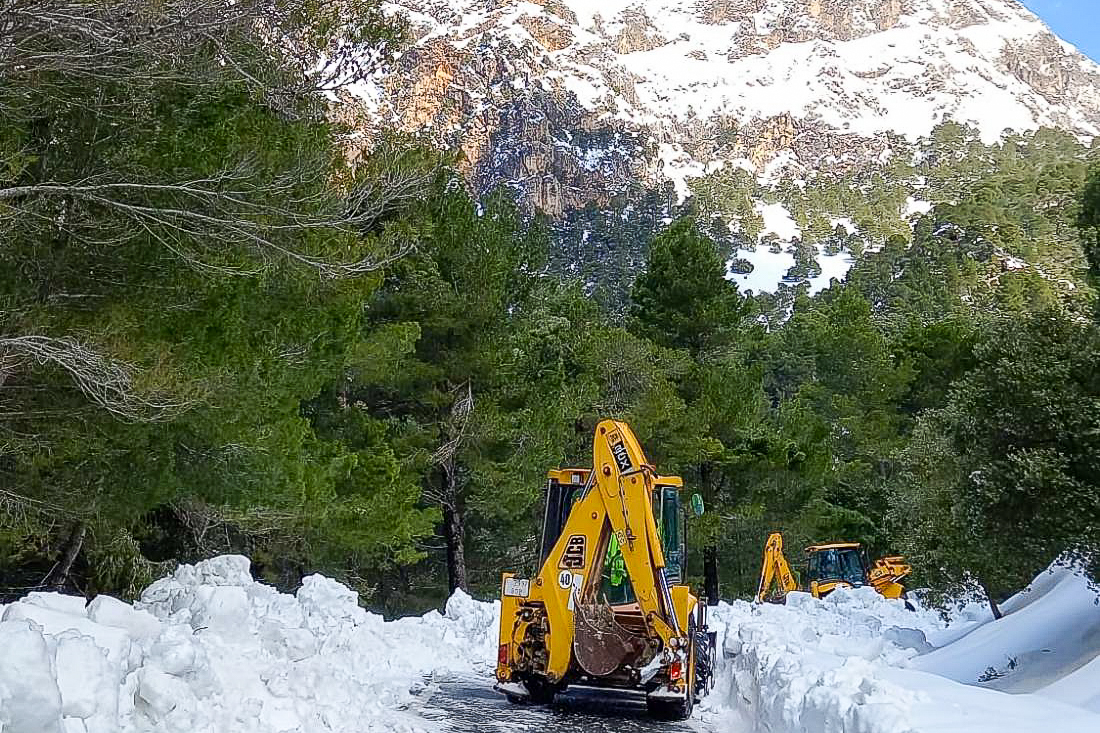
<point x="209" y="650"/>
<point x="468" y="704"/>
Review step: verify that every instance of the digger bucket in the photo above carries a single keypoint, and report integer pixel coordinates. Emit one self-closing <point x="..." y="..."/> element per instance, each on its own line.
<point x="600" y="643"/>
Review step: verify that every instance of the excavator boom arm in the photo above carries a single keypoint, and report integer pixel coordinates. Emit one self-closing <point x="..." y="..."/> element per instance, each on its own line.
<point x="775" y="570"/>
<point x="617" y="503"/>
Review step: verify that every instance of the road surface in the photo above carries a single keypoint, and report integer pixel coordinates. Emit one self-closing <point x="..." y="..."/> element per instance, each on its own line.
<point x="469" y="705"/>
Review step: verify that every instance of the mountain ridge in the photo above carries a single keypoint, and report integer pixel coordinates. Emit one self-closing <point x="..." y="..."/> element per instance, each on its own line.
<point x="564" y="101"/>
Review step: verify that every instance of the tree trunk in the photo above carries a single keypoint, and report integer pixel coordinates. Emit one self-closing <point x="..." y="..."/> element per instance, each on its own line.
<point x="992" y="603"/>
<point x="710" y="574"/>
<point x="59" y="575"/>
<point x="710" y="550"/>
<point x="454" y="532"/>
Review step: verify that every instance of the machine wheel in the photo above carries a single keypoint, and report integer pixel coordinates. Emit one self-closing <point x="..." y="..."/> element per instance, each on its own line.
<point x="541" y="692"/>
<point x="705" y="684"/>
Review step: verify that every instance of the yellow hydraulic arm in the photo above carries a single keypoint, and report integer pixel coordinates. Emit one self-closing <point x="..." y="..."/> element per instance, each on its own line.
<point x="617" y="502"/>
<point x="775" y="569"/>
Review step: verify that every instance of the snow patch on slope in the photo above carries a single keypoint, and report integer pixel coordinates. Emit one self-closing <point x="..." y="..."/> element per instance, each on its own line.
<point x="833" y="267"/>
<point x="771" y="263"/>
<point x="904" y="79"/>
<point x="778" y="221"/>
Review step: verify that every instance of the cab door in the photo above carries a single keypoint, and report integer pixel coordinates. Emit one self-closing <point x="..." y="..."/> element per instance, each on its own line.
<point x="670" y="519"/>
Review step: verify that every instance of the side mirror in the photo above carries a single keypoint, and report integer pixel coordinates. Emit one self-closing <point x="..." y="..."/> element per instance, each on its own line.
<point x="697" y="505"/>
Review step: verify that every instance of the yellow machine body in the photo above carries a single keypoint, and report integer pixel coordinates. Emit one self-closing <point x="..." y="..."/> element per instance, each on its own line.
<point x="886" y="573"/>
<point x="776" y="570"/>
<point x="847" y="568"/>
<point x="557" y="628"/>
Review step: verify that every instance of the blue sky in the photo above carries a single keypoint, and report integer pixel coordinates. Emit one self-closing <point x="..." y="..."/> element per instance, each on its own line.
<point x="1077" y="21"/>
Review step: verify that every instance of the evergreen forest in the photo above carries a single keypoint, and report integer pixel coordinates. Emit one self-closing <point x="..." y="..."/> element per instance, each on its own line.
<point x="226" y="327"/>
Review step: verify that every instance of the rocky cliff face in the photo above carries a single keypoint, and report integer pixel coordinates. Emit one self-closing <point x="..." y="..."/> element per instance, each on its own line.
<point x="572" y="102"/>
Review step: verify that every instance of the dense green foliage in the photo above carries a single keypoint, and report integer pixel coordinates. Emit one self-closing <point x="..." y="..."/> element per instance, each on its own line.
<point x="1006" y="475"/>
<point x="1089" y="219"/>
<point x="217" y="334"/>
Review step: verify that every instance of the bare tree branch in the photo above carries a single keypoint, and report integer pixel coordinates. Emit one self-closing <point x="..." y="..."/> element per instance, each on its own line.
<point x="236" y="209"/>
<point x="107" y="383"/>
<point x="287" y="51"/>
<point x="457" y="423"/>
<point x="77" y="77"/>
<point x="143" y="43"/>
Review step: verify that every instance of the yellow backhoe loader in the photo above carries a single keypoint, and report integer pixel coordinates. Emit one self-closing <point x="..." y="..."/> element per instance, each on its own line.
<point x="608" y="607"/>
<point x="828" y="567"/>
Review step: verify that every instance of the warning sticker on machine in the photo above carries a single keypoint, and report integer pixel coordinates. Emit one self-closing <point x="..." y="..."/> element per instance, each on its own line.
<point x="578" y="588"/>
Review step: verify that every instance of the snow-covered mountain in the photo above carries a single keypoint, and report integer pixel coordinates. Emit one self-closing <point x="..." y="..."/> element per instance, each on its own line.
<point x="572" y="101"/>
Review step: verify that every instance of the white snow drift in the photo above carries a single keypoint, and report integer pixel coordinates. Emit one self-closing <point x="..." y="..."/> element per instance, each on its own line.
<point x="858" y="663"/>
<point x="208" y="650"/>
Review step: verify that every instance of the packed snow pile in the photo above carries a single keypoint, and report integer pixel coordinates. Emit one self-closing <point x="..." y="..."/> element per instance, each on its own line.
<point x="815" y="665"/>
<point x="855" y="662"/>
<point x="209" y="650"/>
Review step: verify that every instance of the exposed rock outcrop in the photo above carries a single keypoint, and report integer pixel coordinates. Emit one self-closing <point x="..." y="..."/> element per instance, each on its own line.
<point x="568" y="102"/>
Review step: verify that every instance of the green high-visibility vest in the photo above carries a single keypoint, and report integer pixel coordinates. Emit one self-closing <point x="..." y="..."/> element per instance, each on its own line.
<point x="616" y="562"/>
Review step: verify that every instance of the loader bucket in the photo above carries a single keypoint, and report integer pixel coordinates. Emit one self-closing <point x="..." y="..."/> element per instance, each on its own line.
<point x="600" y="643"/>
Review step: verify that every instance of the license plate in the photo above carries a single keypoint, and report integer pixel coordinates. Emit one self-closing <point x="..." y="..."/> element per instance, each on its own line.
<point x="517" y="587"/>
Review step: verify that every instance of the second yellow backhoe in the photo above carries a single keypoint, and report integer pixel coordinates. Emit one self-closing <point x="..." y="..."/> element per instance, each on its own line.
<point x="828" y="567"/>
<point x="608" y="607"/>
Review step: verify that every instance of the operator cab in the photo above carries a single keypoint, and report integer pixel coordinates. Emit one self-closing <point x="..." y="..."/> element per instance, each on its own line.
<point x="566" y="487"/>
<point x="841" y="563"/>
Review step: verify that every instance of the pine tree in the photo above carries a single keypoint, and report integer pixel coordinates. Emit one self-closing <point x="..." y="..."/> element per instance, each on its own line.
<point x="1089" y="219"/>
<point x="683" y="300"/>
<point x="1002" y="480"/>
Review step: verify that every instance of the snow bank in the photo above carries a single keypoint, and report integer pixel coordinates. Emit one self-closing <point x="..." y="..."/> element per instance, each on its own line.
<point x="858" y="663"/>
<point x="208" y="650"/>
<point x="1049" y="631"/>
<point x="816" y="666"/>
